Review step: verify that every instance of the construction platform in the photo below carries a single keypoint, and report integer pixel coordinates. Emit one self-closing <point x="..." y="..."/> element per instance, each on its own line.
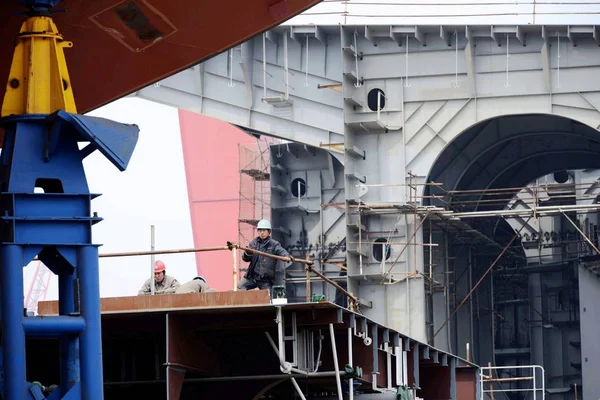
<point x="225" y="345"/>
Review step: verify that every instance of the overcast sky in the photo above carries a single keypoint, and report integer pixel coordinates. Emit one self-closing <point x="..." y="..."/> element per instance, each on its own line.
<point x="449" y="12"/>
<point x="153" y="189"/>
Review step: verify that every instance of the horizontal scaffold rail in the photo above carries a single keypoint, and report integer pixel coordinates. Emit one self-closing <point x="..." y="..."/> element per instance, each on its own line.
<point x="231" y="246"/>
<point x="443" y="213"/>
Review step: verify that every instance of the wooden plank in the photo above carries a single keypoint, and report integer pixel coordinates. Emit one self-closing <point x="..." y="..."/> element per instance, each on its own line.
<point x="171" y="301"/>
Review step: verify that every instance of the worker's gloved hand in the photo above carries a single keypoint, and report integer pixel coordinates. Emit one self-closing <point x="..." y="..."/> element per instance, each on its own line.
<point x="247" y="254"/>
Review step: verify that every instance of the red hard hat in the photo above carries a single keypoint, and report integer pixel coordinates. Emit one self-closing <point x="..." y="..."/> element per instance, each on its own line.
<point x="159" y="266"/>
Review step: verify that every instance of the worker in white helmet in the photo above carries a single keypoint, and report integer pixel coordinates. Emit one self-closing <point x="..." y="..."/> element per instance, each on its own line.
<point x="163" y="283"/>
<point x="261" y="271"/>
<point x="196" y="285"/>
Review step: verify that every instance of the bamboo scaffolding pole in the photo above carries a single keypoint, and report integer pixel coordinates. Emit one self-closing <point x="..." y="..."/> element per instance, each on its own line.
<point x="153" y="252"/>
<point x="534" y="191"/>
<point x="398" y="184"/>
<point x="405" y="247"/>
<point x="433" y="281"/>
<point x="351" y="297"/>
<point x="234" y="254"/>
<point x="539" y="210"/>
<point x="308" y="287"/>
<point x="309" y="266"/>
<point x="232" y="246"/>
<point x="491" y="383"/>
<point x="410" y="275"/>
<point x="510" y="196"/>
<point x="260" y="253"/>
<point x="314" y="279"/>
<point x="337" y="264"/>
<point x="520" y="378"/>
<point x="500" y="190"/>
<point x="401" y="206"/>
<point x="329" y="144"/>
<point x="505" y="205"/>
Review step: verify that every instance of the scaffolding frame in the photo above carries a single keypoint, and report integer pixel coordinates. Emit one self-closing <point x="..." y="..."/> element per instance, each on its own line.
<point x="254" y="190"/>
<point x="457" y="223"/>
<point x="453" y="221"/>
<point x="455" y="213"/>
<point x="538" y="389"/>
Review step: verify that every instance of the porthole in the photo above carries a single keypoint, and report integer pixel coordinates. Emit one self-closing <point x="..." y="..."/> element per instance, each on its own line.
<point x="298" y="187"/>
<point x="378" y="249"/>
<point x="561" y="176"/>
<point x="372" y="99"/>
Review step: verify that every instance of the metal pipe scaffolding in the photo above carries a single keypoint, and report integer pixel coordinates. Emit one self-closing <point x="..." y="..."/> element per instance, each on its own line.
<point x="581" y="233"/>
<point x="231" y="246"/>
<point x="260" y="253"/>
<point x="481" y="279"/>
<point x="309" y="266"/>
<point x="153" y="252"/>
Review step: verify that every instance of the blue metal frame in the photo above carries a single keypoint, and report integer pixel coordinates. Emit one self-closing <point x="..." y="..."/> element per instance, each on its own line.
<point x="39" y="5"/>
<point x="41" y="151"/>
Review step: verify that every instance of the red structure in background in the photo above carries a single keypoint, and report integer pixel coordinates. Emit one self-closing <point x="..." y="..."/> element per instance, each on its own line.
<point x="227" y="176"/>
<point x="211" y="157"/>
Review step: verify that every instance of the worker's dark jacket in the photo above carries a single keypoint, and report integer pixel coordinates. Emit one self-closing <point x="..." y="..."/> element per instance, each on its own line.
<point x="263" y="268"/>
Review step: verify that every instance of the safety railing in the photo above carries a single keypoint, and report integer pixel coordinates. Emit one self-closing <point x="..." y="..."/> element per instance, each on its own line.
<point x="495" y="379"/>
<point x="233" y="247"/>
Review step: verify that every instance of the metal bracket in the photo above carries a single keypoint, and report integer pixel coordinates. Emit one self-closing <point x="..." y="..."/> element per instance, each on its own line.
<point x="364" y="334"/>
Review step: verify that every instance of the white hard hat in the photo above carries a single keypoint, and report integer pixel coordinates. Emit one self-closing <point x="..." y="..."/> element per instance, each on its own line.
<point x="264" y="224"/>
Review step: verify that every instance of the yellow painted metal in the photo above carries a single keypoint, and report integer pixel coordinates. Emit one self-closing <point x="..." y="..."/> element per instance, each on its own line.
<point x="39" y="80"/>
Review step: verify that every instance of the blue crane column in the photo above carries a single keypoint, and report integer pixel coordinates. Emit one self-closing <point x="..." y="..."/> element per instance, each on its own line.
<point x="42" y="132"/>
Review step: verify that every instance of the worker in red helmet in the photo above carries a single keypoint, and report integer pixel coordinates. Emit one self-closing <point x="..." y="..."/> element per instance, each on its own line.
<point x="163" y="283"/>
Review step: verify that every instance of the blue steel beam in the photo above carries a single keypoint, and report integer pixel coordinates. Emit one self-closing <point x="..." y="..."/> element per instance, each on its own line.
<point x="41" y="150"/>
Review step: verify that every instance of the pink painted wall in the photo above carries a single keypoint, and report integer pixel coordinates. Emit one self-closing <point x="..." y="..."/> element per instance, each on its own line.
<point x="211" y="159"/>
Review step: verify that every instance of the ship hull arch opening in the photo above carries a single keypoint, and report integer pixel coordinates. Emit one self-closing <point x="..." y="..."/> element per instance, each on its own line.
<point x="523" y="306"/>
<point x="493" y="149"/>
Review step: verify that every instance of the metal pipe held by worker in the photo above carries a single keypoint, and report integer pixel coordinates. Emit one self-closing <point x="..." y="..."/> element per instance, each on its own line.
<point x="309" y="265"/>
<point x="260" y="253"/>
<point x="153" y="252"/>
<point x="326" y="279"/>
<point x="175" y="251"/>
